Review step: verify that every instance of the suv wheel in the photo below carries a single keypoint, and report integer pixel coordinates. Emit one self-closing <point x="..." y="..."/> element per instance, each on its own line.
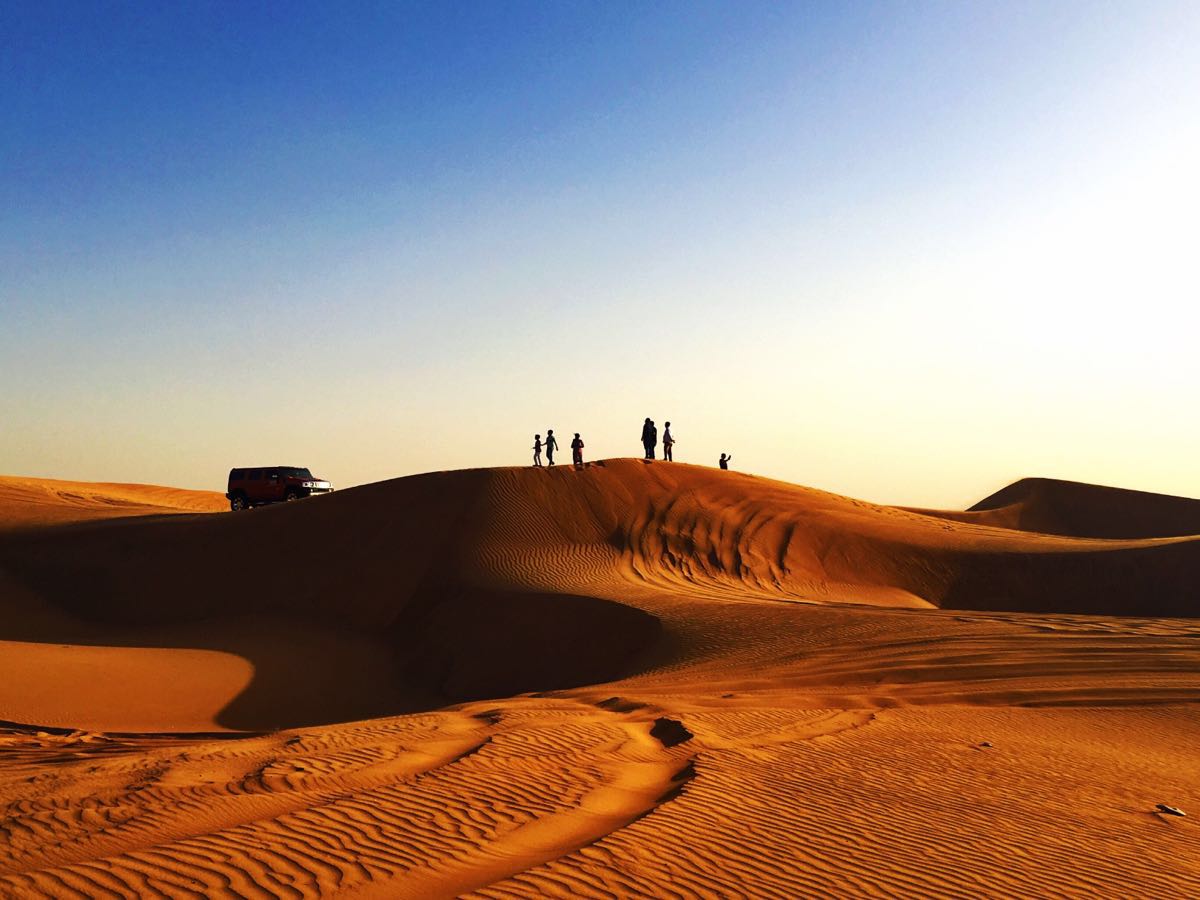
<point x="291" y="495"/>
<point x="238" y="502"/>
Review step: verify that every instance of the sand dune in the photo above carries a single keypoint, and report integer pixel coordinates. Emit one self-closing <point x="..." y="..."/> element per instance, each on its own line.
<point x="630" y="680"/>
<point x="26" y="502"/>
<point x="1083" y="510"/>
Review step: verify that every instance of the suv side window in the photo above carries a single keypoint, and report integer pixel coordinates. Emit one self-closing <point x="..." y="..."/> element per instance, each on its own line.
<point x="237" y="474"/>
<point x="254" y="474"/>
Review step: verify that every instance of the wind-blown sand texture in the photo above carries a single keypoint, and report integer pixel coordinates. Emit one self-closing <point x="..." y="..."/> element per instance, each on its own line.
<point x="633" y="680"/>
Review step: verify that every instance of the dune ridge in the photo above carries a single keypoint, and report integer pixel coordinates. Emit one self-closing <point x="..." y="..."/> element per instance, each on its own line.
<point x="617" y="681"/>
<point x="1073" y="509"/>
<point x="618" y="522"/>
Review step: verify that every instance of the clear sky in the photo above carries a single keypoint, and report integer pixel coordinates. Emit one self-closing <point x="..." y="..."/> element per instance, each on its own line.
<point x="904" y="251"/>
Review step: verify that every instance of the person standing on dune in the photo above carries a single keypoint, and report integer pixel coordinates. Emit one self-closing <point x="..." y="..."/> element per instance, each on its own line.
<point x="649" y="437"/>
<point x="537" y="450"/>
<point x="723" y="462"/>
<point x="577" y="451"/>
<point x="551" y="445"/>
<point x="668" y="443"/>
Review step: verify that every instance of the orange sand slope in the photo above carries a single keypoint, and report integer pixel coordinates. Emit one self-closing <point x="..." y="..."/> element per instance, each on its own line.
<point x="44" y="501"/>
<point x="634" y="679"/>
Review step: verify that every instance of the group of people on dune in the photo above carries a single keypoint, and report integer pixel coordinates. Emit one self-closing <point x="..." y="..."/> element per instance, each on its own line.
<point x="550" y="445"/>
<point x="649" y="443"/>
<point x="650" y="439"/>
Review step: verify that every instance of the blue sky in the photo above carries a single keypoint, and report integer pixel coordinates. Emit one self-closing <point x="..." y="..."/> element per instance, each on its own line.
<point x="381" y="239"/>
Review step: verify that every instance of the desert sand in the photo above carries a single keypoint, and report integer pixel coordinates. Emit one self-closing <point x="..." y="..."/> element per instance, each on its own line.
<point x="640" y="679"/>
<point x="27" y="502"/>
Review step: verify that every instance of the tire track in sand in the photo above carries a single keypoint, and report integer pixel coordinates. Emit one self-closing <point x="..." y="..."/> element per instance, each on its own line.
<point x="646" y="764"/>
<point x="318" y="813"/>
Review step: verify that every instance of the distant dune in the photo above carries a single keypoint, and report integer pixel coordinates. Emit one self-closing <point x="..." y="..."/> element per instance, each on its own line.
<point x="1083" y="510"/>
<point x="44" y="501"/>
<point x="617" y="681"/>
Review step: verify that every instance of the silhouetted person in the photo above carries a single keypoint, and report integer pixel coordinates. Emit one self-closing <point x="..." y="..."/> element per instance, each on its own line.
<point x="668" y="443"/>
<point x="649" y="437"/>
<point x="537" y="449"/>
<point x="577" y="451"/>
<point x="723" y="462"/>
<point x="551" y="445"/>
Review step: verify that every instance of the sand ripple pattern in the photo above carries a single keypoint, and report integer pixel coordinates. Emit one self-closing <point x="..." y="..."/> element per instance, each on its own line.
<point x="903" y="803"/>
<point x="413" y="806"/>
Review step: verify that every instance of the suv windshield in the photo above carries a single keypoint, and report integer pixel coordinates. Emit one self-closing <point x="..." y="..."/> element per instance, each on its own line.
<point x="294" y="473"/>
